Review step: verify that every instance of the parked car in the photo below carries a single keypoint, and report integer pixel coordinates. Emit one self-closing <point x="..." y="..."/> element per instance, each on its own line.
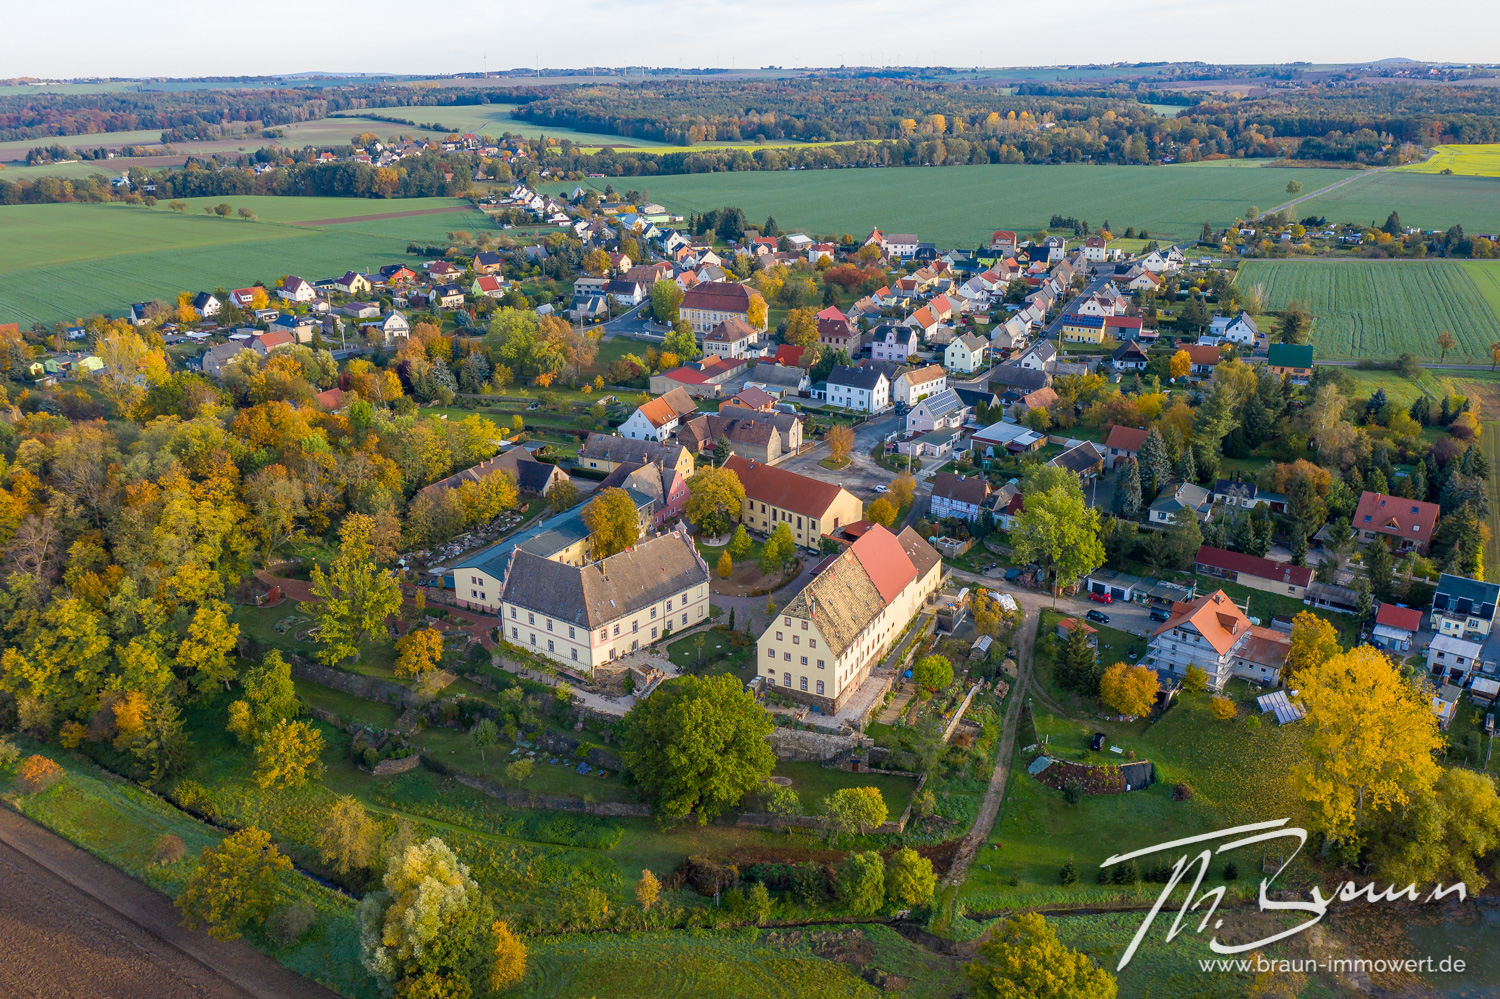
<point x="1160" y="614"/>
<point x="1098" y="616"/>
<point x="881" y="489"/>
<point x="1101" y="598"/>
<point x="1097" y="742"/>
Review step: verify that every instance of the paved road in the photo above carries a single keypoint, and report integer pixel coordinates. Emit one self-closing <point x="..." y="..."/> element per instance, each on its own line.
<point x="76" y="928"/>
<point x="633" y="325"/>
<point x="1133" y="619"/>
<point x="1092" y="288"/>
<point x="861" y="475"/>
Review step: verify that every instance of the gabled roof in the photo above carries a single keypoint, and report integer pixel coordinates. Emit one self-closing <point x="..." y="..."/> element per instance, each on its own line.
<point x="1414" y="520"/>
<point x="608" y="447"/>
<point x="1078" y="459"/>
<point x="860" y="378"/>
<point x="974" y="489"/>
<point x="1460" y="595"/>
<point x="1251" y="565"/>
<point x="605" y="591"/>
<point x="943" y="403"/>
<point x="672" y="405"/>
<point x="731" y="330"/>
<point x="921" y="376"/>
<point x="1213" y="616"/>
<point x="1402" y="618"/>
<point x="881" y="554"/>
<point x="723" y="296"/>
<point x="1126" y="438"/>
<point x="1203" y="353"/>
<point x="789" y="354"/>
<point x="787" y="490"/>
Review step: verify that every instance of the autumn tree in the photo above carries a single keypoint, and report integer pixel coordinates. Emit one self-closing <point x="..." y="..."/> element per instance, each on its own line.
<point x="418" y="652"/>
<point x="270" y="697"/>
<point x="755" y="314"/>
<point x="508" y="962"/>
<point x="1370" y="736"/>
<point x="881" y="512"/>
<point x="1446" y="341"/>
<point x="235" y="884"/>
<point x="840" y="442"/>
<point x="612" y="522"/>
<point x="740" y="544"/>
<point x="715" y="500"/>
<point x="349" y="839"/>
<point x="933" y="672"/>
<point x="289" y="755"/>
<point x="1441" y="836"/>
<point x="1222" y="708"/>
<point x="903" y="490"/>
<point x="647" y="889"/>
<point x="801" y="328"/>
<point x="909" y="878"/>
<point x="1023" y="959"/>
<point x="1313" y="642"/>
<point x="428" y="930"/>
<point x="697" y="746"/>
<point x="1129" y="689"/>
<point x="725" y="566"/>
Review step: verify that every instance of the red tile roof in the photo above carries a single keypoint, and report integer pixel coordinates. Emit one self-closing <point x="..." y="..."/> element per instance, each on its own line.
<point x="1126" y="438"/>
<point x="884" y="561"/>
<point x="720" y="296"/>
<point x="1402" y="618"/>
<point x="832" y="312"/>
<point x="1203" y="353"/>
<point x="686" y="375"/>
<point x="1251" y="565"/>
<point x="1414" y="520"/>
<point x="1214" y="616"/>
<point x="786" y="490"/>
<point x="789" y="354"/>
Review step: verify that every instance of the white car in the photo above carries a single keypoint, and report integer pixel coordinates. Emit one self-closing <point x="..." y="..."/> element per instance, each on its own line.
<point x="881" y="489"/>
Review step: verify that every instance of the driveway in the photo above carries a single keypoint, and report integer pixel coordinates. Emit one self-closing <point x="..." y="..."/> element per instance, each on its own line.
<point x="1133" y="619"/>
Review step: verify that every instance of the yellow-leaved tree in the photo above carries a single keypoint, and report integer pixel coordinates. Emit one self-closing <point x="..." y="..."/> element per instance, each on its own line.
<point x="1314" y="641"/>
<point x="418" y="652"/>
<point x="1128" y="689"/>
<point x="1023" y="959"/>
<point x="1370" y="735"/>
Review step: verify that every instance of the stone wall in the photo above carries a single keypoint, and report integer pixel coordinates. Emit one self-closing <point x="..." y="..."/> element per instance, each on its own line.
<point x="798" y="745"/>
<point x="368" y="687"/>
<point x="516" y="798"/>
<point x="388" y="766"/>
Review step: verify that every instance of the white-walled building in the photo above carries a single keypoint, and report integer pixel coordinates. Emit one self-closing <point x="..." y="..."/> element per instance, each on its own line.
<point x="913" y="385"/>
<point x="658" y="419"/>
<point x="864" y="390"/>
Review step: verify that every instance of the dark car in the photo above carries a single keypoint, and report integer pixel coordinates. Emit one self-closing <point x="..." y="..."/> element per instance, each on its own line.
<point x="1160" y="614"/>
<point x="1098" y="616"/>
<point x="1097" y="743"/>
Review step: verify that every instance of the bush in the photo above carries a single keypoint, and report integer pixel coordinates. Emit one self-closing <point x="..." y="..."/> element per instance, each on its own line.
<point x="810" y="883"/>
<point x="1067" y="874"/>
<point x="1231" y="871"/>
<point x="168" y="849"/>
<point x="1073" y="791"/>
<point x="287" y="925"/>
<point x="9" y="754"/>
<point x="1182" y="791"/>
<point x="37" y="774"/>
<point x="1125" y="874"/>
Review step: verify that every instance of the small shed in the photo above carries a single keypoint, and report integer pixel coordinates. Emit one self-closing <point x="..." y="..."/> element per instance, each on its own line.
<point x="1484" y="690"/>
<point x="981" y="647"/>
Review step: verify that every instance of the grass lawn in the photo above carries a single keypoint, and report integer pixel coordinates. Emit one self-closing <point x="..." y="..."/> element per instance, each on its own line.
<point x="813" y="782"/>
<point x="454" y="749"/>
<point x="1470" y="721"/>
<point x="720" y="655"/>
<point x="1236" y="774"/>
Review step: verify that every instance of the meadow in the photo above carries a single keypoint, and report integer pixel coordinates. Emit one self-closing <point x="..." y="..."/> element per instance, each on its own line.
<point x="962" y="205"/>
<point x="72" y="260"/>
<point x="495" y="120"/>
<point x="1379" y="309"/>
<point x="1425" y="200"/>
<point x="1480" y="160"/>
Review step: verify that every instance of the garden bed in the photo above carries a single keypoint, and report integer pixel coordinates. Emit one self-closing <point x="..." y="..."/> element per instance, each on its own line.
<point x="1108" y="778"/>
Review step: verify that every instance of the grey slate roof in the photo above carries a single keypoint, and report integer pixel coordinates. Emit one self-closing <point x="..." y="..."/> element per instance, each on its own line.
<point x="783" y="375"/>
<point x="1013" y="376"/>
<point x="860" y="378"/>
<point x="593" y="595"/>
<point x="607" y="447"/>
<point x="1460" y="595"/>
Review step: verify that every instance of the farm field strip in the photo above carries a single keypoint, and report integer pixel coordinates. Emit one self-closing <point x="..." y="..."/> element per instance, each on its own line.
<point x="962" y="205"/>
<point x="1428" y="201"/>
<point x="1378" y="309"/>
<point x="1474" y="160"/>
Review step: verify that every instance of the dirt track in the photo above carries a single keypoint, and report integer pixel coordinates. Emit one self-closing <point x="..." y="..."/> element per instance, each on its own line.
<point x="385" y="215"/>
<point x="76" y="927"/>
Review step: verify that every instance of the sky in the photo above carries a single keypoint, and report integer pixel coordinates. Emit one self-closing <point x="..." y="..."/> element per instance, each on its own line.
<point x="180" y="38"/>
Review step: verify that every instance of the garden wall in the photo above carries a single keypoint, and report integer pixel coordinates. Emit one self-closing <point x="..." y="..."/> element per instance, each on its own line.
<point x="368" y="687"/>
<point x="958" y="715"/>
<point x="516" y="798"/>
<point x="797" y="745"/>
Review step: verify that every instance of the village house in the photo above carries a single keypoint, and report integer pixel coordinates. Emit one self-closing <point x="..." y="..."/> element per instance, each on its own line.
<point x="1041" y="356"/>
<point x="706" y="305"/>
<point x="534" y="478"/>
<point x="750" y="398"/>
<point x="488" y="286"/>
<point x="750" y="435"/>
<point x="701" y="379"/>
<point x="966" y="354"/>
<point x="809" y="507"/>
<point x="1084" y="459"/>
<point x="1464" y="608"/>
<point x="1181" y="496"/>
<point x="585" y="616"/>
<point x="1240" y="329"/>
<point x="890" y="342"/>
<point x="1129" y="356"/>
<point x="488" y="262"/>
<point x="1214" y="634"/>
<point x="294" y="289"/>
<point x="1408" y="524"/>
<point x="1291" y="361"/>
<point x="731" y="338"/>
<point x="213" y="360"/>
<point x="779" y="380"/>
<point x="839" y="334"/>
<point x="1396" y="626"/>
<point x="1236" y="493"/>
<point x="1202" y="358"/>
<point x="352" y="283"/>
<point x="667" y="489"/>
<point x="606" y="452"/>
<point x="1453" y="660"/>
<point x="958" y="495"/>
<point x="936" y="412"/>
<point x="788" y="425"/>
<point x="1254" y="572"/>
<point x="864" y="390"/>
<point x="658" y="419"/>
<point x="389" y="328"/>
<point x="1007" y="437"/>
<point x="824" y="643"/>
<point x="1041" y="398"/>
<point x="911" y="386"/>
<point x="1003" y="241"/>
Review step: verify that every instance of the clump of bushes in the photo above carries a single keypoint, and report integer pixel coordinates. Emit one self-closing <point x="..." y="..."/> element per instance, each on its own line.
<point x="38" y="774"/>
<point x="287" y="925"/>
<point x="168" y="849"/>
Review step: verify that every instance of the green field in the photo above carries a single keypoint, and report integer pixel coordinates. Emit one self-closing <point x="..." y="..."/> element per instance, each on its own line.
<point x="1424" y="200"/>
<point x="1379" y="309"/>
<point x="957" y="206"/>
<point x="495" y="119"/>
<point x="1465" y="161"/>
<point x="69" y="261"/>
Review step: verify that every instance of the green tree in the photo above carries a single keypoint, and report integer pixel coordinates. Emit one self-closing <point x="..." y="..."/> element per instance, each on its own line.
<point x="860" y="883"/>
<point x="484" y="734"/>
<point x="1185" y="537"/>
<point x="740" y="544"/>
<point x="1023" y="959"/>
<point x="269" y="698"/>
<point x="854" y="809"/>
<point x="909" y="878"/>
<point x="349" y="839"/>
<point x="697" y="744"/>
<point x="1079" y="665"/>
<point x="1295" y="324"/>
<point x="779" y="549"/>
<point x="1379" y="569"/>
<point x="519" y="770"/>
<point x="428" y="931"/>
<point x="782" y="803"/>
<point x="682" y="341"/>
<point x="234" y="885"/>
<point x="1294" y="187"/>
<point x="1442" y="835"/>
<point x="1127" y="499"/>
<point x="933" y="672"/>
<point x="666" y="299"/>
<point x="356" y="597"/>
<point x="715" y="500"/>
<point x="1195" y="681"/>
<point x="1155" y="463"/>
<point x="612" y="522"/>
<point x="1060" y="532"/>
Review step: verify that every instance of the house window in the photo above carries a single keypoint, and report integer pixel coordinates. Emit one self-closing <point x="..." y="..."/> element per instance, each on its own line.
<point x="531" y="619"/>
<point x="575" y="654"/>
<point x="617" y="629"/>
<point x="549" y="646"/>
<point x="787" y="656"/>
<point x="669" y="605"/>
<point x="603" y="633"/>
<point x="796" y="639"/>
<point x="635" y="627"/>
<point x="513" y="633"/>
<point x="513" y="613"/>
<point x="804" y="682"/>
<point x="812" y="643"/>
<point x="549" y="624"/>
<point x="653" y="632"/>
<point x="820" y="664"/>
<point x="570" y="631"/>
<point x="653" y="613"/>
<point x="684" y="615"/>
<point x="804" y="660"/>
<point x="804" y="625"/>
<point x="771" y="653"/>
<point x="533" y="638"/>
<point x="820" y="686"/>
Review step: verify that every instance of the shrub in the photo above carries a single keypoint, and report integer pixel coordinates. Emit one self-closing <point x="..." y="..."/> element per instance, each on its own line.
<point x="861" y="883"/>
<point x="287" y="925"/>
<point x="810" y="883"/>
<point x="168" y="849"/>
<point x="1073" y="791"/>
<point x="1222" y="708"/>
<point x="37" y="774"/>
<point x="1125" y="874"/>
<point x="9" y="754"/>
<point x="1231" y="871"/>
<point x="1182" y="791"/>
<point x="1067" y="874"/>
